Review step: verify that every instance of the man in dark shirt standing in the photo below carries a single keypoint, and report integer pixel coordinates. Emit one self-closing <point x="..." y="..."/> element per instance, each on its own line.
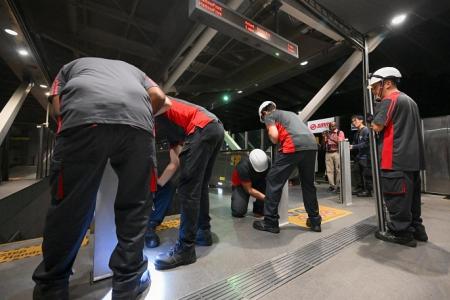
<point x="297" y="149"/>
<point x="105" y="111"/>
<point x="362" y="157"/>
<point x="249" y="179"/>
<point x="201" y="134"/>
<point x="397" y="121"/>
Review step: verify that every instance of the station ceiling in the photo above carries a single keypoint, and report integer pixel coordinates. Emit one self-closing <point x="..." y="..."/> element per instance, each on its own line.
<point x="157" y="35"/>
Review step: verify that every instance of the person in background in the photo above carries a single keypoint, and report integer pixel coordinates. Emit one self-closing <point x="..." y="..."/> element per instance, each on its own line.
<point x="201" y="135"/>
<point x="105" y="111"/>
<point x="331" y="139"/>
<point x="249" y="179"/>
<point x="362" y="158"/>
<point x="297" y="149"/>
<point x="397" y="121"/>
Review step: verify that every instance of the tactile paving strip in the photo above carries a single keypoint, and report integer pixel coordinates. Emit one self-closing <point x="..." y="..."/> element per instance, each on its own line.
<point x="270" y="275"/>
<point x="16" y="254"/>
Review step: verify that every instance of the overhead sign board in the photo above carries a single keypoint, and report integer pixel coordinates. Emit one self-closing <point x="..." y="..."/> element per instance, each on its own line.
<point x="227" y="21"/>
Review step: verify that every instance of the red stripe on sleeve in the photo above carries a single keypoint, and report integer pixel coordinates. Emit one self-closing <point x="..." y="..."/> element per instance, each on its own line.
<point x="285" y="139"/>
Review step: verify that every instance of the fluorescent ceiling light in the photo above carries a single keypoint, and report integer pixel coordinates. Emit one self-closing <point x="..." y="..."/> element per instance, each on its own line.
<point x="304" y="63"/>
<point x="47" y="94"/>
<point x="240" y="92"/>
<point x="23" y="52"/>
<point x="398" y="19"/>
<point x="10" y="31"/>
<point x="43" y="86"/>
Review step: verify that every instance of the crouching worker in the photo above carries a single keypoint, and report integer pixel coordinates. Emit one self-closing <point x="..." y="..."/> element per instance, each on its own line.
<point x="249" y="179"/>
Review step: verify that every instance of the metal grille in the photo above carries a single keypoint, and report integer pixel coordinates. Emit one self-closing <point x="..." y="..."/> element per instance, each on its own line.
<point x="270" y="275"/>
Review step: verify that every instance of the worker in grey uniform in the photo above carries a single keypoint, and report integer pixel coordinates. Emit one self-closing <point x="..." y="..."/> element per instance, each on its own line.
<point x="297" y="149"/>
<point x="249" y="179"/>
<point x="105" y="111"/>
<point x="397" y="121"/>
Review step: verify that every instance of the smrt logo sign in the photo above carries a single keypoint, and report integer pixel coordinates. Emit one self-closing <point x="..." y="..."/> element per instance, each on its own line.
<point x="312" y="127"/>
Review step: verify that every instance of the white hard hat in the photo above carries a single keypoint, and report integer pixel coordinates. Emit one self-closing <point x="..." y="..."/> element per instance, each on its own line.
<point x="383" y="73"/>
<point x="264" y="105"/>
<point x="259" y="160"/>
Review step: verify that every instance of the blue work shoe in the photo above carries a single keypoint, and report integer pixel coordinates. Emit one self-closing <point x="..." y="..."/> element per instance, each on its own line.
<point x="151" y="238"/>
<point x="204" y="237"/>
<point x="178" y="255"/>
<point x="264" y="226"/>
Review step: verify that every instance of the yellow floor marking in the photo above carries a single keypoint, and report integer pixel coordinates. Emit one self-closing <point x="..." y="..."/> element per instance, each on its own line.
<point x="15" y="254"/>
<point x="175" y="223"/>
<point x="298" y="215"/>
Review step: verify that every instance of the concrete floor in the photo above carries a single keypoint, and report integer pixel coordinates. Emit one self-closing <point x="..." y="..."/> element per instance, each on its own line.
<point x="368" y="269"/>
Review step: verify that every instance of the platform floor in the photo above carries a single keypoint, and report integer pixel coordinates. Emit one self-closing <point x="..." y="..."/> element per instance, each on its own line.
<point x="367" y="269"/>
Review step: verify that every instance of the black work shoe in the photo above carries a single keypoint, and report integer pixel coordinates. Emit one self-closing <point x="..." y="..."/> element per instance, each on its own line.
<point x="128" y="294"/>
<point x="405" y="239"/>
<point x="178" y="255"/>
<point x="263" y="226"/>
<point x="308" y="222"/>
<point x="42" y="292"/>
<point x="204" y="237"/>
<point x="313" y="227"/>
<point x="364" y="194"/>
<point x="420" y="233"/>
<point x="151" y="239"/>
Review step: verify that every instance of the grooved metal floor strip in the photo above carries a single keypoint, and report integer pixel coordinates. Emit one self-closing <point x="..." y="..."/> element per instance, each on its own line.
<point x="270" y="275"/>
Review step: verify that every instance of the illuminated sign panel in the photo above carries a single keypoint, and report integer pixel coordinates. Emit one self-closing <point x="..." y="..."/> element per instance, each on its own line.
<point x="227" y="21"/>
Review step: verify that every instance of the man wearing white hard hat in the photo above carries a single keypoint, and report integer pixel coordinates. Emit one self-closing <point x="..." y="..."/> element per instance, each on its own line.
<point x="249" y="179"/>
<point x="397" y="122"/>
<point x="297" y="148"/>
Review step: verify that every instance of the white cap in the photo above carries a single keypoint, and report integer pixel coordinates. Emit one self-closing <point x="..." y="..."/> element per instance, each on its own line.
<point x="383" y="73"/>
<point x="264" y="105"/>
<point x="259" y="160"/>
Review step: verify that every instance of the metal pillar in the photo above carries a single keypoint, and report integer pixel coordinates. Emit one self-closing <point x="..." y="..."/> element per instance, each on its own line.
<point x="11" y="109"/>
<point x="368" y="109"/>
<point x="346" y="178"/>
<point x="246" y="140"/>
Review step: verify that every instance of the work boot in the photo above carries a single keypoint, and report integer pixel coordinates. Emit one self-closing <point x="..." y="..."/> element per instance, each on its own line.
<point x="44" y="292"/>
<point x="178" y="255"/>
<point x="204" y="237"/>
<point x="364" y="194"/>
<point x="151" y="238"/>
<point x="264" y="226"/>
<point x="313" y="227"/>
<point x="420" y="234"/>
<point x="402" y="238"/>
<point x="131" y="294"/>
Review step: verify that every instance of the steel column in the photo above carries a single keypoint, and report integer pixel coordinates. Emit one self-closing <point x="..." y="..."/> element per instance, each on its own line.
<point x="11" y="109"/>
<point x="368" y="109"/>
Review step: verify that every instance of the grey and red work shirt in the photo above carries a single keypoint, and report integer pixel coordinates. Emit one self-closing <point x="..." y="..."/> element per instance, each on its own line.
<point x="244" y="172"/>
<point x="293" y="134"/>
<point x="102" y="91"/>
<point x="181" y="120"/>
<point x="400" y="142"/>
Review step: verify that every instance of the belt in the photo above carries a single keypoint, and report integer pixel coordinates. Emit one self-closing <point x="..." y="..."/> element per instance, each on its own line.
<point x="332" y="151"/>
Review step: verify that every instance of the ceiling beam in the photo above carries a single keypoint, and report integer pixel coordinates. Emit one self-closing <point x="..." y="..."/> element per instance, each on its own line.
<point x="117" y="15"/>
<point x="112" y="41"/>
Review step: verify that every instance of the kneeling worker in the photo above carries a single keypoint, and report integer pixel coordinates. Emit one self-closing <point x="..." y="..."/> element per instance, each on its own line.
<point x="249" y="179"/>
